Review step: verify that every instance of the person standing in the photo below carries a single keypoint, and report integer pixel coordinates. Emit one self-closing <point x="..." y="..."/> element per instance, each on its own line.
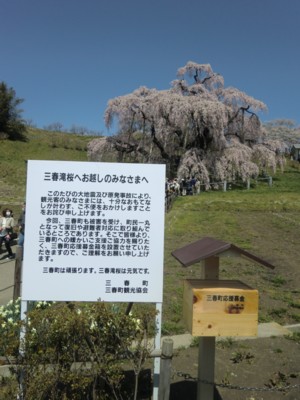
<point x="21" y="223"/>
<point x="7" y="223"/>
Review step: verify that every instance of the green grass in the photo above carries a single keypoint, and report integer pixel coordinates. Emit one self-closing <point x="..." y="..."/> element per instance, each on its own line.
<point x="263" y="220"/>
<point x="40" y="145"/>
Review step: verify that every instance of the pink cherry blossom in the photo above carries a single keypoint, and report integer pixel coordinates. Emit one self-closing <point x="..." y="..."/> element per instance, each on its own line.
<point x="197" y="128"/>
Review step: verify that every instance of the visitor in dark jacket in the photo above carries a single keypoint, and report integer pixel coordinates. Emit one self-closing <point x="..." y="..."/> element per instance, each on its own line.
<point x="7" y="223"/>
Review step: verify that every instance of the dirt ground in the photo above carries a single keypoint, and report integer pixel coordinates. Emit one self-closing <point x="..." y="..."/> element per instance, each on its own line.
<point x="267" y="365"/>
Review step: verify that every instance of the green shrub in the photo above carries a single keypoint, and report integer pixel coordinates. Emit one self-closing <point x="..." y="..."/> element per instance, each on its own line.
<point x="78" y="351"/>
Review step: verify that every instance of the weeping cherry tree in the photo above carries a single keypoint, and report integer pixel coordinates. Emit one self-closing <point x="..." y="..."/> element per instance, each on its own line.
<point x="197" y="128"/>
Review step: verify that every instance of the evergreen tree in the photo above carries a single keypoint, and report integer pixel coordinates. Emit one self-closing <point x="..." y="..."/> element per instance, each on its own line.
<point x="12" y="125"/>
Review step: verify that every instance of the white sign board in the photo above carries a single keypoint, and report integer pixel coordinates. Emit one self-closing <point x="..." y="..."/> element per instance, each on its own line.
<point x="94" y="232"/>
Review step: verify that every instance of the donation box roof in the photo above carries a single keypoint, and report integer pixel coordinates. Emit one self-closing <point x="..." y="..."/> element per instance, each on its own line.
<point x="209" y="247"/>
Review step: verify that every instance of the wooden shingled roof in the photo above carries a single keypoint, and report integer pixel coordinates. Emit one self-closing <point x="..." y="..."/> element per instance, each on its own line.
<point x="209" y="247"/>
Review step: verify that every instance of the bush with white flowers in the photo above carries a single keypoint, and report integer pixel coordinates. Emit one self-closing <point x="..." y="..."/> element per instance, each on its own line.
<point x="76" y="351"/>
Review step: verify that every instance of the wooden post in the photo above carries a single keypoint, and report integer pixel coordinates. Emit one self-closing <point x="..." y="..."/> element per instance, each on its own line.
<point x="206" y="368"/>
<point x="18" y="272"/>
<point x="270" y="181"/>
<point x="207" y="345"/>
<point x="165" y="369"/>
<point x="157" y="339"/>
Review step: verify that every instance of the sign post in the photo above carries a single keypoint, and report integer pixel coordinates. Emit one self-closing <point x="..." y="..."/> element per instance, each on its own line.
<point x="157" y="346"/>
<point x="95" y="232"/>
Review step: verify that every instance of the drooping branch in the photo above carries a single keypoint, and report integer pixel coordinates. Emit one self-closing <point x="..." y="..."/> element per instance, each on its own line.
<point x="240" y="109"/>
<point x="127" y="148"/>
<point x="159" y="145"/>
<point x="240" y="133"/>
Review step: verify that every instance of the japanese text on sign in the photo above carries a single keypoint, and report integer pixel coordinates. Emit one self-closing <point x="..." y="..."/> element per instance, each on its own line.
<point x="92" y="225"/>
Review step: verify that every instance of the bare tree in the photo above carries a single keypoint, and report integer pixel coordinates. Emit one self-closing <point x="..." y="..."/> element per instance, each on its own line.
<point x="30" y="123"/>
<point x="55" y="127"/>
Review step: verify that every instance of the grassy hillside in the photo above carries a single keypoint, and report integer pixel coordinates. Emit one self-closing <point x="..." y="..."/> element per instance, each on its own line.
<point x="263" y="220"/>
<point x="40" y="145"/>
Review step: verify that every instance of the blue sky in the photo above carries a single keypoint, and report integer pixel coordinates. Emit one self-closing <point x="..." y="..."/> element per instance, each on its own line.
<point x="67" y="58"/>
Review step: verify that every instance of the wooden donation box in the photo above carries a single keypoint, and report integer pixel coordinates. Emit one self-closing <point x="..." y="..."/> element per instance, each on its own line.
<point x="220" y="308"/>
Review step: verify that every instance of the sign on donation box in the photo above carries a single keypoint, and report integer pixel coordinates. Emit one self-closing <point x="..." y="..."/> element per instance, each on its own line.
<point x="94" y="232"/>
<point x="220" y="308"/>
